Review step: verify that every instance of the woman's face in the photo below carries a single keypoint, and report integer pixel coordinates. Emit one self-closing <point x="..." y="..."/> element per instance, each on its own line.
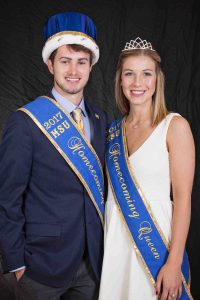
<point x="138" y="79"/>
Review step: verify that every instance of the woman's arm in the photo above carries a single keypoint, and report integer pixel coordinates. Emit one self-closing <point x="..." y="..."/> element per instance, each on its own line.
<point x="182" y="164"/>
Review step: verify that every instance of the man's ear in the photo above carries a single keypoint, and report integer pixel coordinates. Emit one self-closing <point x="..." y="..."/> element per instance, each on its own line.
<point x="50" y="66"/>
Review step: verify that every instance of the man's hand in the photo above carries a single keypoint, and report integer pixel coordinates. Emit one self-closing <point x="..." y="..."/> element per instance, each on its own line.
<point x="19" y="274"/>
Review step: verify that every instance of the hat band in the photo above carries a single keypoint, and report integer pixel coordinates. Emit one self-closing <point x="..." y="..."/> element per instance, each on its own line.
<point x="73" y="33"/>
<point x="69" y="38"/>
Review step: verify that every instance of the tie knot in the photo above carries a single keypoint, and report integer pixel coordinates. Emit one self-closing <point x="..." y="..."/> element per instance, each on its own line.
<point x="78" y="117"/>
<point x="77" y="113"/>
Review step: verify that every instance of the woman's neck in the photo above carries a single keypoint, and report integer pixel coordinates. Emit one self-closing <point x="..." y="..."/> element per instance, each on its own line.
<point x="138" y="117"/>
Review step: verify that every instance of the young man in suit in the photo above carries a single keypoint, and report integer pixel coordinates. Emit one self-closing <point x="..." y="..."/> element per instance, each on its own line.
<point x="51" y="179"/>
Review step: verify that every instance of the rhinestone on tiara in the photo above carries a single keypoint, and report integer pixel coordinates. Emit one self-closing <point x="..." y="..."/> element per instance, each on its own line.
<point x="138" y="43"/>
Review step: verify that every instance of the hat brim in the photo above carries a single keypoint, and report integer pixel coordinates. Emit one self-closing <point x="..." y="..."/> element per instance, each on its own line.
<point x="67" y="38"/>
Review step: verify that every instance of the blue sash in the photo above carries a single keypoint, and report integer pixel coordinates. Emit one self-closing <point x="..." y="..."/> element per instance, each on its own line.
<point x="143" y="229"/>
<point x="63" y="132"/>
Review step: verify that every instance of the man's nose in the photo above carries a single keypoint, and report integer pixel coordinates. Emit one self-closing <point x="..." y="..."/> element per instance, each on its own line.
<point x="72" y="69"/>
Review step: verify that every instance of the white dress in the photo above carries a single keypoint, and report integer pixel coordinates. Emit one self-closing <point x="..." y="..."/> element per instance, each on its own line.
<point x="123" y="275"/>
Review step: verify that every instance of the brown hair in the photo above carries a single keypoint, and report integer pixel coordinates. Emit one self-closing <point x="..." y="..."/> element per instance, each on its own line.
<point x="159" y="110"/>
<point x="75" y="48"/>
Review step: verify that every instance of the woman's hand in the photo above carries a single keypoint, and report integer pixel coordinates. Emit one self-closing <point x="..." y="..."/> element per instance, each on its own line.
<point x="169" y="282"/>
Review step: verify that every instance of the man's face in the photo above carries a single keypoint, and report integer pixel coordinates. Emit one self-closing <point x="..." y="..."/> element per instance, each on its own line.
<point x="71" y="72"/>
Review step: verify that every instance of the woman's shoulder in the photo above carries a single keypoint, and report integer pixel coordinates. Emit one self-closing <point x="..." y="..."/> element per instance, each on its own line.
<point x="177" y="121"/>
<point x="179" y="129"/>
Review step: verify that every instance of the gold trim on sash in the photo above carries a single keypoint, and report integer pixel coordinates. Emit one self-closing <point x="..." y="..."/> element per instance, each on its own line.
<point x="63" y="154"/>
<point x="138" y="187"/>
<point x="187" y="286"/>
<point x="129" y="234"/>
<point x="78" y="129"/>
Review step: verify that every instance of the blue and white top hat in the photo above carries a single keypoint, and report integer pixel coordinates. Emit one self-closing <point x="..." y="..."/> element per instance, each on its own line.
<point x="70" y="28"/>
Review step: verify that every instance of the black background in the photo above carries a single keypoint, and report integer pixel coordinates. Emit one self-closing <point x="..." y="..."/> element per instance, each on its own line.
<point x="173" y="27"/>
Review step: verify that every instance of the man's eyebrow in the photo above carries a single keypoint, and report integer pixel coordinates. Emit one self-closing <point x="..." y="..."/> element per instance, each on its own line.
<point x="83" y="58"/>
<point x="79" y="59"/>
<point x="65" y="57"/>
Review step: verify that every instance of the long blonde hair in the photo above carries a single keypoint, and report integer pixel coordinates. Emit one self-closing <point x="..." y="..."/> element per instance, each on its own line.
<point x="159" y="110"/>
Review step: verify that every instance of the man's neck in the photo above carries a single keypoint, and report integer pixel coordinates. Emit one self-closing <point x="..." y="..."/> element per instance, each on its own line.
<point x="74" y="98"/>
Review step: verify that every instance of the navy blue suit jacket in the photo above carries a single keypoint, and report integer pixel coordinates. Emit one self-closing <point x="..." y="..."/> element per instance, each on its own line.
<point x="46" y="216"/>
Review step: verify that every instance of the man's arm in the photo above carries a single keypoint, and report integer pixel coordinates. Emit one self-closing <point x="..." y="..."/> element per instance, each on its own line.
<point x="15" y="167"/>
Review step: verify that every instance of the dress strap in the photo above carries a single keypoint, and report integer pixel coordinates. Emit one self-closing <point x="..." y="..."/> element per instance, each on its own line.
<point x="168" y="121"/>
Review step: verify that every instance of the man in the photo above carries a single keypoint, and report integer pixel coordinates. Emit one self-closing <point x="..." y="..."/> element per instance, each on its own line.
<point x="51" y="181"/>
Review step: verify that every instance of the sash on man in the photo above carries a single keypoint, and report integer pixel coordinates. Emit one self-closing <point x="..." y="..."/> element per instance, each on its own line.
<point x="58" y="126"/>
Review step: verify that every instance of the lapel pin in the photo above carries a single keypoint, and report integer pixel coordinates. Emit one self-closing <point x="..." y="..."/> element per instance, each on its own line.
<point x="97" y="116"/>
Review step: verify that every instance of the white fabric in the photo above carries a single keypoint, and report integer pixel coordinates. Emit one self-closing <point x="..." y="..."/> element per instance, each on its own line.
<point x="123" y="275"/>
<point x="66" y="39"/>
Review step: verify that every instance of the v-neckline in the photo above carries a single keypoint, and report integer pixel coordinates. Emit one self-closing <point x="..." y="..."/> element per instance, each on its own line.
<point x="145" y="141"/>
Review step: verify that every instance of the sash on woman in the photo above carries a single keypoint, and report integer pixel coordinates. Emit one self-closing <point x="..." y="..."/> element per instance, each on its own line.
<point x="63" y="132"/>
<point x="148" y="240"/>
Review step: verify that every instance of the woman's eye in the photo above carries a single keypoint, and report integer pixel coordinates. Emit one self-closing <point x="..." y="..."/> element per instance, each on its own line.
<point x="128" y="74"/>
<point x="147" y="73"/>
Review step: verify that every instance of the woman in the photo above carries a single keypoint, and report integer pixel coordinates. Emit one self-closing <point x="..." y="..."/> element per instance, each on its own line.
<point x="150" y="156"/>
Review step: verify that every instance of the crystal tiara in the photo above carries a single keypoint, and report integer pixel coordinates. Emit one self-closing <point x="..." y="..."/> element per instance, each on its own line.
<point x="138" y="43"/>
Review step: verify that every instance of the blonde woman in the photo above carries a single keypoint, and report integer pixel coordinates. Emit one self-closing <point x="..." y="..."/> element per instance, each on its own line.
<point x="150" y="156"/>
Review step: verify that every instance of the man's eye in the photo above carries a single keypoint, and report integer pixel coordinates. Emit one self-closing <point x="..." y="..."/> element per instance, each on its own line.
<point x="64" y="61"/>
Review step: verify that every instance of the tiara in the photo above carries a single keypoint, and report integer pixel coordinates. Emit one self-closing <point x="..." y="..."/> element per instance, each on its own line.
<point x="138" y="43"/>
